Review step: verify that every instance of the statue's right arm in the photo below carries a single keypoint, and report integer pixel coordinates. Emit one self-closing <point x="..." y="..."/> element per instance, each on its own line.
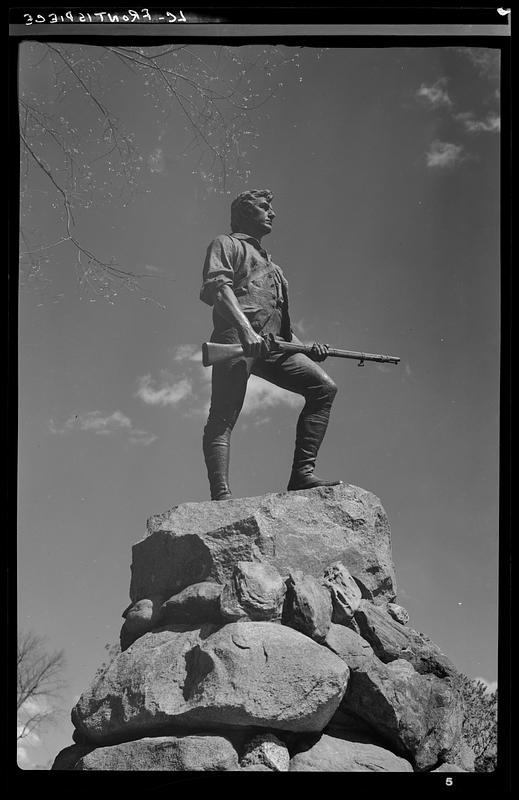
<point x="226" y="304"/>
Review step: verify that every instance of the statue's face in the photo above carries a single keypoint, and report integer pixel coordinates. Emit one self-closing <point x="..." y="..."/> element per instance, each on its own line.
<point x="260" y="217"/>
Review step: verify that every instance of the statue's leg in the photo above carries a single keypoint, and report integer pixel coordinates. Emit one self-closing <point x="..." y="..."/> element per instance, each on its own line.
<point x="298" y="373"/>
<point x="229" y="383"/>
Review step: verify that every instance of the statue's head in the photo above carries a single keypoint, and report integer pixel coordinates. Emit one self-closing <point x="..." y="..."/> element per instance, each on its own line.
<point x="251" y="212"/>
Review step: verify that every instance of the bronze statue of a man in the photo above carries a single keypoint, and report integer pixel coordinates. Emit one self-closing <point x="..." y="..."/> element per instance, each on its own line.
<point x="249" y="295"/>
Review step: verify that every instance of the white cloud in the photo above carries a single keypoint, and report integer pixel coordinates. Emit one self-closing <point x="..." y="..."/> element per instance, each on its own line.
<point x="262" y="394"/>
<point x="163" y="393"/>
<point x="22" y="756"/>
<point x="490" y="686"/>
<point x="93" y="421"/>
<point x="188" y="352"/>
<point x="486" y="60"/>
<point x="142" y="437"/>
<point x="156" y="160"/>
<point x="103" y="425"/>
<point x="435" y="95"/>
<point x="32" y="706"/>
<point x="300" y="327"/>
<point x="29" y="739"/>
<point x="195" y="383"/>
<point x="492" y="123"/>
<point x="443" y="154"/>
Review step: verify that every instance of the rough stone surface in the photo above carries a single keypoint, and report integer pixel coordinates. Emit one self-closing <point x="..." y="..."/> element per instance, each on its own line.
<point x="419" y="716"/>
<point x="331" y="754"/>
<point x="345" y="725"/>
<point x="169" y="560"/>
<point x="399" y="613"/>
<point x="349" y="646"/>
<point x="462" y="755"/>
<point x="196" y="604"/>
<point x="195" y="753"/>
<point x="256" y="590"/>
<point x="266" y="750"/>
<point x="140" y="618"/>
<point x="245" y="674"/>
<point x="306" y="530"/>
<point x="390" y="640"/>
<point x="78" y="738"/>
<point x="68" y="758"/>
<point x="192" y="690"/>
<point x="308" y="606"/>
<point x="345" y="593"/>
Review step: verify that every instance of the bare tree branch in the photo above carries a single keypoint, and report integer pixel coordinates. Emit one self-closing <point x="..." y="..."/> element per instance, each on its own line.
<point x="39" y="683"/>
<point x="89" y="159"/>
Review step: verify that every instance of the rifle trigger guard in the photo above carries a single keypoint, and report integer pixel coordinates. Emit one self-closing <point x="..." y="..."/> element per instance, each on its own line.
<point x="361" y="363"/>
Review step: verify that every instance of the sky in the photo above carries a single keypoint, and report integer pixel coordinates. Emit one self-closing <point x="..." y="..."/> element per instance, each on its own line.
<point x="384" y="163"/>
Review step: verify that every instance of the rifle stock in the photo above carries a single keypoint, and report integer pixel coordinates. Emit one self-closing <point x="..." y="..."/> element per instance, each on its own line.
<point x="214" y="353"/>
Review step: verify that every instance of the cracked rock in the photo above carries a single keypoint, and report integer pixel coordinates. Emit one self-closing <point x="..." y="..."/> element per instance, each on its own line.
<point x="308" y="606"/>
<point x="245" y="674"/>
<point x="266" y="750"/>
<point x="255" y="591"/>
<point x="346" y="594"/>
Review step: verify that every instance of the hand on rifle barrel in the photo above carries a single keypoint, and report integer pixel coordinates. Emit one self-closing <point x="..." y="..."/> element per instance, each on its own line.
<point x="319" y="351"/>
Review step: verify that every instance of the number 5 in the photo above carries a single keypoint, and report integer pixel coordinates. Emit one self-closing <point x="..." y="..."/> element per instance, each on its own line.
<point x="448" y="781"/>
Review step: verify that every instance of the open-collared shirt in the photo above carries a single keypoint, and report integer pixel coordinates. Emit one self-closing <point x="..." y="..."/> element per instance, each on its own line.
<point x="237" y="260"/>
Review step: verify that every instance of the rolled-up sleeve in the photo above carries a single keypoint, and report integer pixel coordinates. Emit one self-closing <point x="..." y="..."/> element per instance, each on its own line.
<point x="218" y="270"/>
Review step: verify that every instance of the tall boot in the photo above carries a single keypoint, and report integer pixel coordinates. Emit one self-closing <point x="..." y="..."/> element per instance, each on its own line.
<point x="311" y="428"/>
<point x="217" y="457"/>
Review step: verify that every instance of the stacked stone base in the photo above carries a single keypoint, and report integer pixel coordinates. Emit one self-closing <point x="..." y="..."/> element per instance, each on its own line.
<point x="263" y="635"/>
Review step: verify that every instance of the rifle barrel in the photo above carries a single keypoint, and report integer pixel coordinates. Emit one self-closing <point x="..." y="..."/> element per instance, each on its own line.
<point x="290" y="347"/>
<point x="213" y="352"/>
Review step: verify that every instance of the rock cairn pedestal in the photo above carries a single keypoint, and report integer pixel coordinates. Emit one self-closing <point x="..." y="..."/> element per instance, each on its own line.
<point x="263" y="635"/>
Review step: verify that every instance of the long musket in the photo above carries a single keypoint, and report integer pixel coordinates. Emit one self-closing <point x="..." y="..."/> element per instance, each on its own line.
<point x="213" y="352"/>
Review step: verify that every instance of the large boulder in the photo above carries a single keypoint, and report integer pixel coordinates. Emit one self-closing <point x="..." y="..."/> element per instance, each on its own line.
<point x="419" y="716"/>
<point x="332" y="754"/>
<point x="245" y="674"/>
<point x="391" y="640"/>
<point x="194" y="753"/>
<point x="306" y="530"/>
<point x="348" y="645"/>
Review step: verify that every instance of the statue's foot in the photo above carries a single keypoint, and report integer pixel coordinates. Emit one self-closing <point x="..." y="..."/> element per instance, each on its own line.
<point x="223" y="496"/>
<point x="298" y="482"/>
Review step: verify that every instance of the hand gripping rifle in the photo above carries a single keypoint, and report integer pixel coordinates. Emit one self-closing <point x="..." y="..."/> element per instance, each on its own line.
<point x="213" y="352"/>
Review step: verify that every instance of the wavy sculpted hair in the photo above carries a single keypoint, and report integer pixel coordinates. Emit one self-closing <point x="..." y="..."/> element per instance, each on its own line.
<point x="240" y="207"/>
